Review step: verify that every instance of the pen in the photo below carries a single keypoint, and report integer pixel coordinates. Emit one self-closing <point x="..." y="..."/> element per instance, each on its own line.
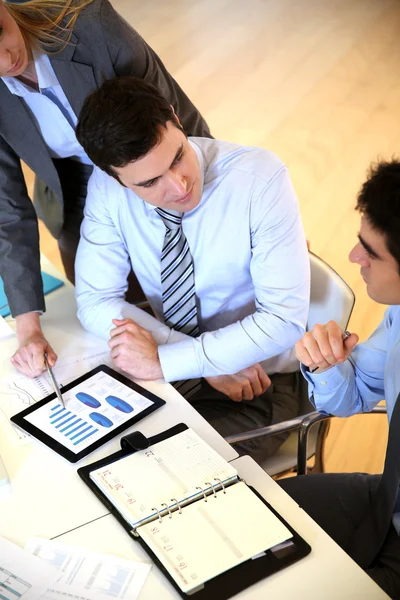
<point x="344" y="337"/>
<point x="53" y="381"/>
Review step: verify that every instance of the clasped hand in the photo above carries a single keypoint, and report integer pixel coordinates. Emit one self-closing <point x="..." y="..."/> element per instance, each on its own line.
<point x="134" y="350"/>
<point x="244" y="385"/>
<point x="325" y="346"/>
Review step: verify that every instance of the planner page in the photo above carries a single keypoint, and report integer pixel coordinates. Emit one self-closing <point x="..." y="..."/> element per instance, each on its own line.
<point x="164" y="476"/>
<point x="209" y="538"/>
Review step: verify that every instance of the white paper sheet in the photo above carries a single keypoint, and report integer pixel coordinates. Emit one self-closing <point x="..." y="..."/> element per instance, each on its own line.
<point x="89" y="575"/>
<point x="22" y="575"/>
<point x="18" y="392"/>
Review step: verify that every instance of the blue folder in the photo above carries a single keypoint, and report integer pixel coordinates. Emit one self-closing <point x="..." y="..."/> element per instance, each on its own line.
<point x="50" y="284"/>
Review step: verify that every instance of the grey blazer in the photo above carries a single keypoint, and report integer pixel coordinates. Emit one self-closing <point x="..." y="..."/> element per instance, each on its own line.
<point x="103" y="46"/>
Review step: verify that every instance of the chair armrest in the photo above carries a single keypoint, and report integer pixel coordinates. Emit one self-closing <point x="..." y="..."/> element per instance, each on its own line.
<point x="284" y="426"/>
<point x="304" y="429"/>
<point x="143" y="304"/>
<point x="378" y="410"/>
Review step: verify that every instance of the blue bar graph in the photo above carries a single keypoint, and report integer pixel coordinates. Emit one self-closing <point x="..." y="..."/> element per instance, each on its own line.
<point x="70" y="425"/>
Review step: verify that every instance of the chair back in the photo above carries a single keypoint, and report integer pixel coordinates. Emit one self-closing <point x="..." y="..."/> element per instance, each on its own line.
<point x="331" y="298"/>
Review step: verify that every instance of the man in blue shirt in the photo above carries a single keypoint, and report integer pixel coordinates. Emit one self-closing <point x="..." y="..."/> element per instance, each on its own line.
<point x="213" y="233"/>
<point x="362" y="512"/>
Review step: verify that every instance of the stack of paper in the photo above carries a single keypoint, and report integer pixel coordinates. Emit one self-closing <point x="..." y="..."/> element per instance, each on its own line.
<point x="46" y="570"/>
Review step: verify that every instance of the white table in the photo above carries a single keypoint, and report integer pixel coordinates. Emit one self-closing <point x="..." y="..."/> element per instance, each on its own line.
<point x="46" y="497"/>
<point x="327" y="572"/>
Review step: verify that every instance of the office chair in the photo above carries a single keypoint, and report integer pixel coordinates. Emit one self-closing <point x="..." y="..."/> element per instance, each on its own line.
<point x="331" y="299"/>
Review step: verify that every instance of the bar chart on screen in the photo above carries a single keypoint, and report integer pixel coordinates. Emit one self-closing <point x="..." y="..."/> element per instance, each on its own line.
<point x="70" y="425"/>
<point x="18" y="392"/>
<point x="92" y="408"/>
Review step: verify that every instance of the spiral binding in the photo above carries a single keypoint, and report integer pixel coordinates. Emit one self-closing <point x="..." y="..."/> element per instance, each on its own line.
<point x="164" y="507"/>
<point x="202" y="491"/>
<point x="212" y="487"/>
<point x="221" y="483"/>
<point x="167" y="508"/>
<point x="178" y="505"/>
<point x="158" y="512"/>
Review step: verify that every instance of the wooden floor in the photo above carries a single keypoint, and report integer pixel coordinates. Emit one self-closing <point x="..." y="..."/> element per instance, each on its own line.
<point x="317" y="82"/>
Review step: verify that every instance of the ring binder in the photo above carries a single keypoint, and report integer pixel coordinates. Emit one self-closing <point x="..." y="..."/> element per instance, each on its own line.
<point x="212" y="487"/>
<point x="159" y="515"/>
<point x="202" y="491"/>
<point x="194" y="569"/>
<point x="178" y="505"/>
<point x="221" y="484"/>
<point x="167" y="508"/>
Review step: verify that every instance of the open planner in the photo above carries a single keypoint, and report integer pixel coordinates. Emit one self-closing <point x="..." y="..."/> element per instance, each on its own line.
<point x="211" y="534"/>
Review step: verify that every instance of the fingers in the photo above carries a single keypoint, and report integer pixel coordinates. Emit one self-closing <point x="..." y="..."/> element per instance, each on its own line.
<point x="248" y="390"/>
<point x="350" y="342"/>
<point x="29" y="358"/>
<point x="263" y="377"/>
<point x="121" y="326"/>
<point x="325" y="346"/>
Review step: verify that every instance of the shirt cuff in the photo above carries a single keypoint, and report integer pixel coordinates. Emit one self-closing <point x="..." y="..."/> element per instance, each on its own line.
<point x="325" y="383"/>
<point x="179" y="361"/>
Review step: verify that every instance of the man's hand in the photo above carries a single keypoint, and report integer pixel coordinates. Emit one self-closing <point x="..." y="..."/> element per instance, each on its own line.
<point x="29" y="358"/>
<point x="134" y="350"/>
<point x="325" y="346"/>
<point x="244" y="385"/>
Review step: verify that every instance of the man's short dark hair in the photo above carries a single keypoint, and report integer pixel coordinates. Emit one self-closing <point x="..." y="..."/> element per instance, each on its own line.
<point x="121" y="122"/>
<point x="379" y="201"/>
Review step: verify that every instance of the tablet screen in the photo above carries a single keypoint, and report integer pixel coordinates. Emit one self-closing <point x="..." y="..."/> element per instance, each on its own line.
<point x="97" y="406"/>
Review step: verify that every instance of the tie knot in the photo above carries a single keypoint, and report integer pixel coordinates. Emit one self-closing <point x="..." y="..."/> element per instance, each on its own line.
<point x="172" y="219"/>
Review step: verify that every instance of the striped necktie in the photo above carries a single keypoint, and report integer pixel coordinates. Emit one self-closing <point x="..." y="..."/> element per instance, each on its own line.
<point x="177" y="285"/>
<point x="385" y="503"/>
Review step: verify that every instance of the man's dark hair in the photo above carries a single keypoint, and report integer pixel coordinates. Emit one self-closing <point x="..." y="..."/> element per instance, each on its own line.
<point x="121" y="122"/>
<point x="379" y="201"/>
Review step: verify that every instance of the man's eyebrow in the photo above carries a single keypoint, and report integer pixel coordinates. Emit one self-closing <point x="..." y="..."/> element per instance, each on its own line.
<point x="177" y="155"/>
<point x="367" y="247"/>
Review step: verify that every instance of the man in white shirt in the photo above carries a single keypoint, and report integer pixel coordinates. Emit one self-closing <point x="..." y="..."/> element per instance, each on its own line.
<point x="213" y="233"/>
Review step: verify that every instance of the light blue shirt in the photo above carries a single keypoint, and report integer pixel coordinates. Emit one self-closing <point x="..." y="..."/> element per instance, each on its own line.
<point x="50" y="110"/>
<point x="370" y="374"/>
<point x="250" y="261"/>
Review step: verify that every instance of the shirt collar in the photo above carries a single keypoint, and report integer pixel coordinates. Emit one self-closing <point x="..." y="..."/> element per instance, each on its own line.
<point x="200" y="158"/>
<point x="46" y="76"/>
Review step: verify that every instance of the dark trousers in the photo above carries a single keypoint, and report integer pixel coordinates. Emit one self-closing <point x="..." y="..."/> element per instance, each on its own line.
<point x="278" y="403"/>
<point x="339" y="502"/>
<point x="74" y="177"/>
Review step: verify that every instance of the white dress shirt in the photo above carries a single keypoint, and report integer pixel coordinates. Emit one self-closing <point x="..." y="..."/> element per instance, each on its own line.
<point x="50" y="110"/>
<point x="250" y="261"/>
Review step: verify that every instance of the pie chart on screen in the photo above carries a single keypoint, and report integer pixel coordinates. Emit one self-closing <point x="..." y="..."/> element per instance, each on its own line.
<point x="87" y="399"/>
<point x="119" y="404"/>
<point x="101" y="419"/>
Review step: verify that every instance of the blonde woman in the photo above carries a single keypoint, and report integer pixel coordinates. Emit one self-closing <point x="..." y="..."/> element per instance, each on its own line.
<point x="53" y="53"/>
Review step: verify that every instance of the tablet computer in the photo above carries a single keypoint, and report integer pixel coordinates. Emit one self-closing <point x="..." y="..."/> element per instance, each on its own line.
<point x="98" y="406"/>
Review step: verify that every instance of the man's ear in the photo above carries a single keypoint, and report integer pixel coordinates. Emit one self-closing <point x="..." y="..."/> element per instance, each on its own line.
<point x="175" y="117"/>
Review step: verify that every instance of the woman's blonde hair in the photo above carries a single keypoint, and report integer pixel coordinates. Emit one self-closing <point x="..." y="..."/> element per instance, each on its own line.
<point x="47" y="24"/>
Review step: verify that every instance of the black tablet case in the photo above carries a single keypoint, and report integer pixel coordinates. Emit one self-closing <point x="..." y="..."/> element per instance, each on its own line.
<point x="229" y="583"/>
<point x="62" y="450"/>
